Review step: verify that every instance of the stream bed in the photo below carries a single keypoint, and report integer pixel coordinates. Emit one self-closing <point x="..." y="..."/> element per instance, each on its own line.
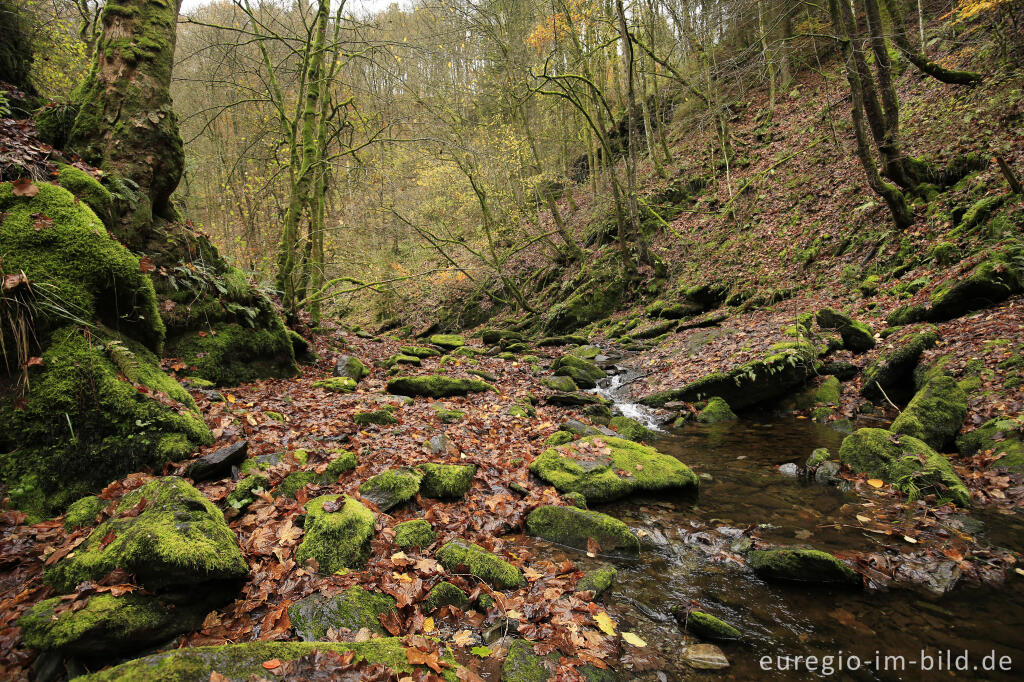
<point x="682" y="564"/>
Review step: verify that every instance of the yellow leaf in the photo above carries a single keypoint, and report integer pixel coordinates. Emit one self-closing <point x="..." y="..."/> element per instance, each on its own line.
<point x="862" y="519"/>
<point x="605" y="622"/>
<point x="910" y="539"/>
<point x="231" y="398"/>
<point x="630" y="638"/>
<point x="428" y="625"/>
<point x="876" y="482"/>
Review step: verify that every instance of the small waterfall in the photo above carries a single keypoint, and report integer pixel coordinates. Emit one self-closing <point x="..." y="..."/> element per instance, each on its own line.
<point x="612" y="387"/>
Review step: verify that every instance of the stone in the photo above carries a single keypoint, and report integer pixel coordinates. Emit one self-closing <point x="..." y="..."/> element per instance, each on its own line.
<point x="392" y="487"/>
<point x="338" y="533"/>
<point x="447" y="341"/>
<point x="568" y="340"/>
<point x="353" y="609"/>
<point x="716" y="411"/>
<point x="857" y="336"/>
<point x="437" y="386"/>
<point x="591" y="467"/>
<point x="818" y="456"/>
<point x="560" y="383"/>
<point x="583" y="372"/>
<point x="485" y="565"/>
<point x="1002" y="435"/>
<point x="706" y="626"/>
<point x="385" y="416"/>
<point x="893" y="371"/>
<point x="445" y="594"/>
<point x="438" y="444"/>
<point x="797" y="564"/>
<point x="351" y="367"/>
<point x="419" y="352"/>
<point x="244" y="493"/>
<point x="705" y="657"/>
<point x="597" y="581"/>
<point x="935" y="413"/>
<point x="828" y="473"/>
<point x="631" y="429"/>
<point x="83" y="512"/>
<point x="414" y="533"/>
<point x="446" y="481"/>
<point x="576" y="527"/>
<point x="218" y="463"/>
<point x="789" y="469"/>
<point x="574" y="399"/>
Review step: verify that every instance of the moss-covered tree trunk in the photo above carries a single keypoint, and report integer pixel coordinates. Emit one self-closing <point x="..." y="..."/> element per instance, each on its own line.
<point x="126" y="124"/>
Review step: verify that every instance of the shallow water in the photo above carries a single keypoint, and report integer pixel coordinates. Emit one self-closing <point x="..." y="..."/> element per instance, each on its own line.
<point x="746" y="489"/>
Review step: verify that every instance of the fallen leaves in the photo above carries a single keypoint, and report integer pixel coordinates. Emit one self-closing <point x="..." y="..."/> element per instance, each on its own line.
<point x="24" y="187"/>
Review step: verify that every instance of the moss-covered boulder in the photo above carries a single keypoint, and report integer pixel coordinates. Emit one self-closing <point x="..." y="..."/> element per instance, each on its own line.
<point x="447" y="341"/>
<point x="459" y="555"/>
<point x="338" y="533"/>
<point x="391" y="488"/>
<point x="401" y="359"/>
<point x="293" y="483"/>
<point x="706" y="626"/>
<point x="893" y="371"/>
<point x="83" y="512"/>
<point x="906" y="462"/>
<point x="604" y="468"/>
<point x="415" y="533"/>
<point x="523" y="665"/>
<point x="493" y="336"/>
<point x="716" y="411"/>
<point x="437" y="386"/>
<point x="245" y="661"/>
<point x="801" y="565"/>
<point x="447" y="481"/>
<point x="584" y="373"/>
<point x="562" y="383"/>
<point x="336" y="384"/>
<point x="592" y="300"/>
<point x="772" y="377"/>
<point x="107" y="626"/>
<point x="935" y="413"/>
<point x="349" y="366"/>
<point x="178" y="538"/>
<point x="558" y="438"/>
<point x="1002" y="435"/>
<point x="353" y="609"/>
<point x="857" y="336"/>
<point x="343" y="462"/>
<point x="631" y="429"/>
<point x="229" y="353"/>
<point x="87" y="189"/>
<point x="567" y="340"/>
<point x="445" y="594"/>
<point x="446" y="415"/>
<point x="597" y="581"/>
<point x="576" y="527"/>
<point x="991" y="281"/>
<point x="245" y="490"/>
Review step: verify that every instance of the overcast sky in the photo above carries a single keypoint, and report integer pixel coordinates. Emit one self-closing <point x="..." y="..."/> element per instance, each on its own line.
<point x="356" y="5"/>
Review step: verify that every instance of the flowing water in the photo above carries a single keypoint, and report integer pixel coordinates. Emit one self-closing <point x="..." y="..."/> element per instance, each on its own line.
<point x="683" y="564"/>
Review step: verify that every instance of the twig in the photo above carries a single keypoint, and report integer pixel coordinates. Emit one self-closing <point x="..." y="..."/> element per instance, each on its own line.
<point x="884" y="395"/>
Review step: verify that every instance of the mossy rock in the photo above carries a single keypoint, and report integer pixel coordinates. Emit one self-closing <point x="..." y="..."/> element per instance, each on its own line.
<point x="466" y="352"/>
<point x="818" y="457"/>
<point x="706" y="626"/>
<point x="244" y="493"/>
<point x="576" y="500"/>
<point x="935" y="413"/>
<point x="591" y="467"/>
<point x="575" y="527"/>
<point x="446" y="481"/>
<point x="445" y="594"/>
<point x="415" y="533"/>
<point x="446" y="415"/>
<point x="631" y="429"/>
<point x="857" y="336"/>
<point x="401" y="359"/>
<point x="83" y="512"/>
<point x="561" y="383"/>
<point x="178" y="539"/>
<point x="87" y="189"/>
<point x="421" y="352"/>
<point x="906" y="462"/>
<point x="1001" y="435"/>
<point x="385" y="416"/>
<point x="294" y="482"/>
<point x="229" y="353"/>
<point x="769" y="378"/>
<point x="991" y="281"/>
<point x="437" y="386"/>
<point x="447" y="341"/>
<point x="345" y="461"/>
<point x="587" y="352"/>
<point x="391" y="488"/>
<point x="336" y="384"/>
<point x="826" y="393"/>
<point x="493" y="336"/>
<point x="489" y="567"/>
<point x="337" y="540"/>
<point x="558" y="438"/>
<point x="716" y="412"/>
<point x="244" y="661"/>
<point x="801" y="565"/>
<point x="522" y="411"/>
<point x="523" y="665"/>
<point x="593" y="300"/>
<point x="893" y="370"/>
<point x="597" y="581"/>
<point x="351" y="367"/>
<point x="353" y="609"/>
<point x="107" y="626"/>
<point x="584" y="373"/>
<point x="302" y="349"/>
<point x="567" y="340"/>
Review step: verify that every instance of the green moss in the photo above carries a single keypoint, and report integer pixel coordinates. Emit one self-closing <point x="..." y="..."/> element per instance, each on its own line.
<point x="568" y="340"/>
<point x="419" y="351"/>
<point x="493" y="336"/>
<point x="894" y="369"/>
<point x="935" y="414"/>
<point x="401" y="360"/>
<point x="244" y="493"/>
<point x="446" y="480"/>
<point x="196" y="382"/>
<point x="490" y="568"/>
<point x="344" y="462"/>
<point x="104" y="625"/>
<point x="597" y="581"/>
<point x="83" y="512"/>
<point x="294" y="482"/>
<point x="242" y="661"/>
<point x="706" y="626"/>
<point x="447" y="341"/>
<point x="716" y="411"/>
<point x="991" y="281"/>
<point x="336" y="384"/>
<point x="583" y="372"/>
<point x="559" y="438"/>
<point x="467" y="352"/>
<point x="336" y="539"/>
<point x="906" y="462"/>
<point x="819" y="456"/>
<point x="575" y="499"/>
<point x="857" y="336"/>
<point x="445" y="594"/>
<point x="523" y="665"/>
<point x="631" y="429"/>
<point x="382" y="417"/>
<point x="575" y="527"/>
<point x="801" y="565"/>
<point x="907" y="314"/>
<point x="1002" y="435"/>
<point x="437" y="386"/>
<point x="229" y="354"/>
<point x="179" y="538"/>
<point x="415" y="533"/>
<point x="592" y="467"/>
<point x="561" y="383"/>
<point x="448" y="416"/>
<point x="351" y="367"/>
<point x="869" y="285"/>
<point x="87" y="189"/>
<point x="354" y="609"/>
<point x="392" y="487"/>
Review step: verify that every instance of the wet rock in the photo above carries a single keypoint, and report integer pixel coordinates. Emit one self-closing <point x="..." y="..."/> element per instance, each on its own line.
<point x="576" y="527"/>
<point x="801" y="565"/>
<point x="599" y="414"/>
<point x="218" y="463"/>
<point x="828" y="473"/>
<point x="338" y="533"/>
<point x="592" y="467"/>
<point x="447" y="481"/>
<point x="392" y="487"/>
<point x="935" y="413"/>
<point x="631" y="429"/>
<point x="445" y="594"/>
<point x="575" y="399"/>
<point x="353" y="609"/>
<point x="705" y="657"/>
<point x="351" y="367"/>
<point x="578" y="428"/>
<point x="597" y="581"/>
<point x="716" y="411"/>
<point x="489" y="567"/>
<point x="789" y="469"/>
<point x="706" y="626"/>
<point x="818" y="456"/>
